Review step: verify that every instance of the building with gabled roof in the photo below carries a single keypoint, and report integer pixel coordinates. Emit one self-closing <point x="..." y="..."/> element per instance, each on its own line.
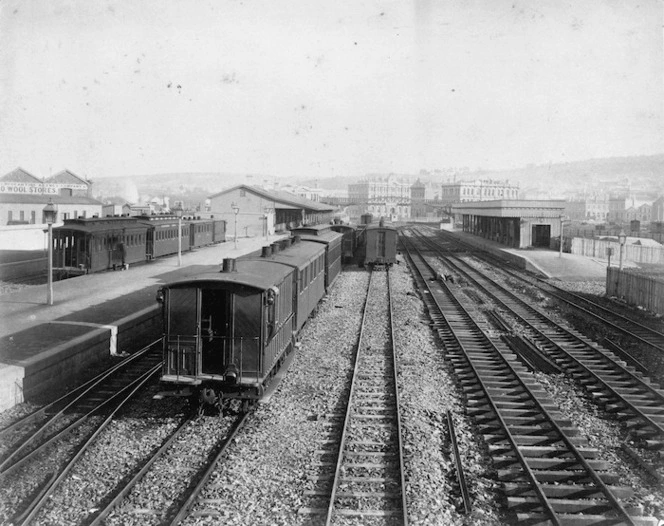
<point x="23" y="197"/>
<point x="262" y="212"/>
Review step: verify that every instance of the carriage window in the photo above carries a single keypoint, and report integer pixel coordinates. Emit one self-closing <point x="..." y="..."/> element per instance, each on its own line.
<point x="182" y="305"/>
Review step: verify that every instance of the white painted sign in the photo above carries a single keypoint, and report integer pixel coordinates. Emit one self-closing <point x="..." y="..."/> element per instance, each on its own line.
<point x="8" y="187"/>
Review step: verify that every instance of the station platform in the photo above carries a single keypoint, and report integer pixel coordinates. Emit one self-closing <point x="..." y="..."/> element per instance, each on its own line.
<point x="92" y="316"/>
<point x="545" y="262"/>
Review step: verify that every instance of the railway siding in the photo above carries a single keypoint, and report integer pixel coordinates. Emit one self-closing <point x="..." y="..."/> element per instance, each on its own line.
<point x="507" y="416"/>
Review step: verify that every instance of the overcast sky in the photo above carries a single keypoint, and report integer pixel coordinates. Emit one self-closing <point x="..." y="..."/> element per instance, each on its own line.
<point x="326" y="88"/>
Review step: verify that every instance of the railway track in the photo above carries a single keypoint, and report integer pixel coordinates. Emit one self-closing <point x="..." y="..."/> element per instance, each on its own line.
<point x="548" y="472"/>
<point x="187" y="484"/>
<point x="615" y="386"/>
<point x="48" y="443"/>
<point x="363" y="457"/>
<point x="640" y="333"/>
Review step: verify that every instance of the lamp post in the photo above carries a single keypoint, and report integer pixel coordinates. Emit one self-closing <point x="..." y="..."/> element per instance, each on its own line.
<point x="622" y="237"/>
<point x="560" y="254"/>
<point x="267" y="226"/>
<point x="50" y="213"/>
<point x="236" y="211"/>
<point x="180" y="241"/>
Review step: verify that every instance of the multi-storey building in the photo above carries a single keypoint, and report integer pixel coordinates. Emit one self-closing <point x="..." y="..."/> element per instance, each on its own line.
<point x="589" y="209"/>
<point x="382" y="196"/>
<point x="657" y="212"/>
<point x="617" y="205"/>
<point x="478" y="190"/>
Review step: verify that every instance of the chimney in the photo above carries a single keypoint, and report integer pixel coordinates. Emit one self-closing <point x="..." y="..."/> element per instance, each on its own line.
<point x="228" y="265"/>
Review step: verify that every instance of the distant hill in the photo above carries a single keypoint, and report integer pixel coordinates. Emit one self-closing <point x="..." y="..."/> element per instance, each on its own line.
<point x="641" y="175"/>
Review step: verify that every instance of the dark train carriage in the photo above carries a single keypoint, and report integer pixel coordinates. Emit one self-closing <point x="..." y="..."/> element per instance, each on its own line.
<point x="228" y="330"/>
<point x="311" y="230"/>
<point x="96" y="244"/>
<point x="218" y="230"/>
<point x="332" y="240"/>
<point x="380" y="245"/>
<point x="308" y="260"/>
<point x="226" y="333"/>
<point x="200" y="232"/>
<point x="162" y="235"/>
<point x="348" y="241"/>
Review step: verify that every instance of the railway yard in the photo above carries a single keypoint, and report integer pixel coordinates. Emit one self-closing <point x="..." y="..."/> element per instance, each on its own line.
<point x="448" y="389"/>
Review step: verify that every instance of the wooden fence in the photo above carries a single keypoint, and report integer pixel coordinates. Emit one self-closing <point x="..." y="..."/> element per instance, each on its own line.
<point x="636" y="289"/>
<point x="596" y="248"/>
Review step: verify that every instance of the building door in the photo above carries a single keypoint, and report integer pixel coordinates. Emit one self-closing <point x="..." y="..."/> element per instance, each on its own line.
<point x="541" y="235"/>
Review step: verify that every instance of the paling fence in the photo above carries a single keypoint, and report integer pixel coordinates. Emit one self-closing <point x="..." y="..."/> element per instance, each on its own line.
<point x="597" y="248"/>
<point x="636" y="289"/>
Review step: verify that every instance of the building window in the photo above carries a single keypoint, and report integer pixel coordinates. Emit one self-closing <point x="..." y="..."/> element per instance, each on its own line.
<point x="9" y="216"/>
<point x="22" y="215"/>
<point x="33" y="217"/>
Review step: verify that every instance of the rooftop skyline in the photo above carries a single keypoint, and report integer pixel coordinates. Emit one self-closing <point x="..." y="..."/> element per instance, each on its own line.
<point x="311" y="89"/>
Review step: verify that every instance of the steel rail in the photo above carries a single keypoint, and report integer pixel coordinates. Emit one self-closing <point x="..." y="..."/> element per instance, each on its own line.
<point x="461" y="477"/>
<point x="33" y="508"/>
<point x="11" y="463"/>
<point x="347" y="417"/>
<point x="185" y="509"/>
<point x="544" y="500"/>
<point x="397" y="401"/>
<point x="656" y="335"/>
<point x="101" y="515"/>
<point x="335" y="452"/>
<point x="449" y="260"/>
<point x="77" y="393"/>
<point x="617" y="506"/>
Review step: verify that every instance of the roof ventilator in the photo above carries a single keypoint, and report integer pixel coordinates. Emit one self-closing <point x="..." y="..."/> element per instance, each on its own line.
<point x="228" y="265"/>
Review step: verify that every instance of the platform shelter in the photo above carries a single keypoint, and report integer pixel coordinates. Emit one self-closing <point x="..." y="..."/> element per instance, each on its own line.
<point x="514" y="223"/>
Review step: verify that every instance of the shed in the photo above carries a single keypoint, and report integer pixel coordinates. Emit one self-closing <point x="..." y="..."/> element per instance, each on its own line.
<point x="261" y="212"/>
<point x="515" y="223"/>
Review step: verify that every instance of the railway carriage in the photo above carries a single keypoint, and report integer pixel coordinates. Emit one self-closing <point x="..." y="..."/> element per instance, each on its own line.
<point x="348" y="240"/>
<point x="200" y="232"/>
<point x="162" y="236"/>
<point x="218" y="230"/>
<point x="380" y="245"/>
<point x="226" y="333"/>
<point x="332" y="240"/>
<point x="95" y="244"/>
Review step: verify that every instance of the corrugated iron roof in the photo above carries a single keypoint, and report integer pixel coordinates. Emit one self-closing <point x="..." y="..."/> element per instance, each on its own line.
<point x="19" y="175"/>
<point x="278" y="197"/>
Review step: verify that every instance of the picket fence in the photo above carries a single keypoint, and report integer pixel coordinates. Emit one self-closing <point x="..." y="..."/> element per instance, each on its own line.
<point x="597" y="248"/>
<point x="636" y="289"/>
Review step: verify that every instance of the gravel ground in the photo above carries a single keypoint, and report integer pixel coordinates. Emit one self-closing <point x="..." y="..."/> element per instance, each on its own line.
<point x="266" y="471"/>
<point x="117" y="454"/>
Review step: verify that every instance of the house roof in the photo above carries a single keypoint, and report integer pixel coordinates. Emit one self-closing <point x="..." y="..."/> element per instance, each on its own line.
<point x="57" y="199"/>
<point x="19" y="175"/>
<point x="278" y="197"/>
<point x="65" y="176"/>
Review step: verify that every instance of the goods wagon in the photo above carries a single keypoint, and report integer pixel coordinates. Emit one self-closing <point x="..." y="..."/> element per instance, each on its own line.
<point x="380" y="245"/>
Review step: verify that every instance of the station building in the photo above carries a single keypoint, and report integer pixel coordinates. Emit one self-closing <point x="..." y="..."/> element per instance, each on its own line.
<point x="513" y="223"/>
<point x="253" y="211"/>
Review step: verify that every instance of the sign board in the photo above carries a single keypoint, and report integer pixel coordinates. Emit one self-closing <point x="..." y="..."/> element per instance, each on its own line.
<point x="8" y="187"/>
